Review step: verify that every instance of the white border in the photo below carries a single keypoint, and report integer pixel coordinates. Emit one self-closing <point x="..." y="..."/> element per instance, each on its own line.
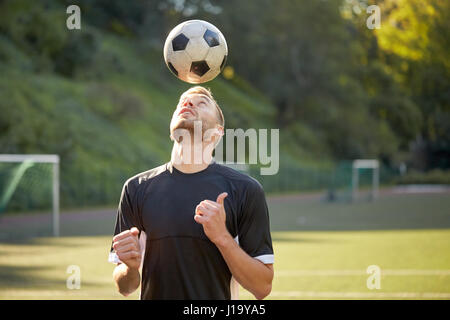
<point x="265" y="258"/>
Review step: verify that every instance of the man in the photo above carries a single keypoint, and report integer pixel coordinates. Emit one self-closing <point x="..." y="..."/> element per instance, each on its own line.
<point x="192" y="227"/>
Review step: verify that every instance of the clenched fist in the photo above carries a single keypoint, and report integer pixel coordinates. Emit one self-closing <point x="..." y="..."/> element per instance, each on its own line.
<point x="211" y="215"/>
<point x="126" y="245"/>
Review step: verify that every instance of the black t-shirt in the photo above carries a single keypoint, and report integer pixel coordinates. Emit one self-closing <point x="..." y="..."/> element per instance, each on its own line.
<point x="179" y="261"/>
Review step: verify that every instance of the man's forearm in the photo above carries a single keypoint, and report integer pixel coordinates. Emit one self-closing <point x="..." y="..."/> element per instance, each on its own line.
<point x="252" y="274"/>
<point x="127" y="280"/>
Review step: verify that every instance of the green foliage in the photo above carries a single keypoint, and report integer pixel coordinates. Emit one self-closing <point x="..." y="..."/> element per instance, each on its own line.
<point x="414" y="42"/>
<point x="103" y="104"/>
<point x="30" y="26"/>
<point x="102" y="98"/>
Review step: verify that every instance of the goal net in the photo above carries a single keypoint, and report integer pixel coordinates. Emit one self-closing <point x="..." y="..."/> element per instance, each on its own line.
<point x="29" y="195"/>
<point x="354" y="180"/>
<point x="372" y="169"/>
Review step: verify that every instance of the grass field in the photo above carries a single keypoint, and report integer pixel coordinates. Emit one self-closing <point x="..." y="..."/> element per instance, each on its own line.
<point x="322" y="251"/>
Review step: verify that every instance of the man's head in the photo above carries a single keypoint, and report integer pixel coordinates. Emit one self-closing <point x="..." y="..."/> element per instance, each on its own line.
<point x="198" y="104"/>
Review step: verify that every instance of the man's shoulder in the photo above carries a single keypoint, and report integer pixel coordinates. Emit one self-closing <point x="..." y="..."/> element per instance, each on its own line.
<point x="243" y="179"/>
<point x="146" y="176"/>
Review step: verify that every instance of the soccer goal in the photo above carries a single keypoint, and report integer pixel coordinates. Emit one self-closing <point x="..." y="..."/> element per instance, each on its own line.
<point x="24" y="178"/>
<point x="359" y="164"/>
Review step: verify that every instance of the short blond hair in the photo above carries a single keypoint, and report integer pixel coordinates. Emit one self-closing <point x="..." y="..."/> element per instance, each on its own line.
<point x="208" y="93"/>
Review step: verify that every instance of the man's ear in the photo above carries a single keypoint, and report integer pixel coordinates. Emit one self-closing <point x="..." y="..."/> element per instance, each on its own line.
<point x="220" y="130"/>
<point x="218" y="134"/>
<point x="214" y="134"/>
<point x="171" y="137"/>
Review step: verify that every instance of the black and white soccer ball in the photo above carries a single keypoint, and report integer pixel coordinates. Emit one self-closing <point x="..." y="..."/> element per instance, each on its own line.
<point x="195" y="51"/>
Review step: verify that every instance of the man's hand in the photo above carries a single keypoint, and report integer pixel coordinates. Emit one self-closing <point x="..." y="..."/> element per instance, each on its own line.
<point x="211" y="214"/>
<point x="126" y="245"/>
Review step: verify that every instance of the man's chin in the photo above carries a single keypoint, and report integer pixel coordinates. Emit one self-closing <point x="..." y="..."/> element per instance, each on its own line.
<point x="187" y="124"/>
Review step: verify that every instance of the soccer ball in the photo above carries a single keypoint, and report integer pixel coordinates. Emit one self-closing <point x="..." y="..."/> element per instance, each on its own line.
<point x="195" y="51"/>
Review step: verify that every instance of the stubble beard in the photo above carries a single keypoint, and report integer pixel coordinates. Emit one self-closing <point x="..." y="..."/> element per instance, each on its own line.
<point x="189" y="125"/>
<point x="182" y="124"/>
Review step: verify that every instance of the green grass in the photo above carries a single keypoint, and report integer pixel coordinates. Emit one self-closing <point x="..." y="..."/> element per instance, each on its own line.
<point x="335" y="253"/>
<point x="323" y="255"/>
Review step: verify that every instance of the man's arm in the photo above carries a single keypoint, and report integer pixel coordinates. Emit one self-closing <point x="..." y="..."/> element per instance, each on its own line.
<point x="127" y="280"/>
<point x="251" y="273"/>
<point x="126" y="275"/>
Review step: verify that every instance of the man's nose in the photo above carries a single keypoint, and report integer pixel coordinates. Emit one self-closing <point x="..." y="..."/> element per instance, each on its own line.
<point x="187" y="103"/>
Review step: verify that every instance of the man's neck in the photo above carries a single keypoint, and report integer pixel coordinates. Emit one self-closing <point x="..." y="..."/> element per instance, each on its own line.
<point x="185" y="161"/>
<point x="190" y="168"/>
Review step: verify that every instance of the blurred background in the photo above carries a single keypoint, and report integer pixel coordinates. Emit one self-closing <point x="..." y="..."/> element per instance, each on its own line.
<point x="101" y="98"/>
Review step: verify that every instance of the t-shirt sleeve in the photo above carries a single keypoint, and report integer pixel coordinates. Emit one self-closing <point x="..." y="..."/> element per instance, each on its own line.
<point x="254" y="226"/>
<point x="128" y="215"/>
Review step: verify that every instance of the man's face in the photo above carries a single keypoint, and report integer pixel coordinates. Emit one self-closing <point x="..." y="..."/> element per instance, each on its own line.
<point x="194" y="107"/>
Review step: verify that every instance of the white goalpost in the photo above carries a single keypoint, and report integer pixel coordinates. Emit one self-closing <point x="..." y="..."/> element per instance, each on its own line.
<point x="365" y="164"/>
<point x="27" y="160"/>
